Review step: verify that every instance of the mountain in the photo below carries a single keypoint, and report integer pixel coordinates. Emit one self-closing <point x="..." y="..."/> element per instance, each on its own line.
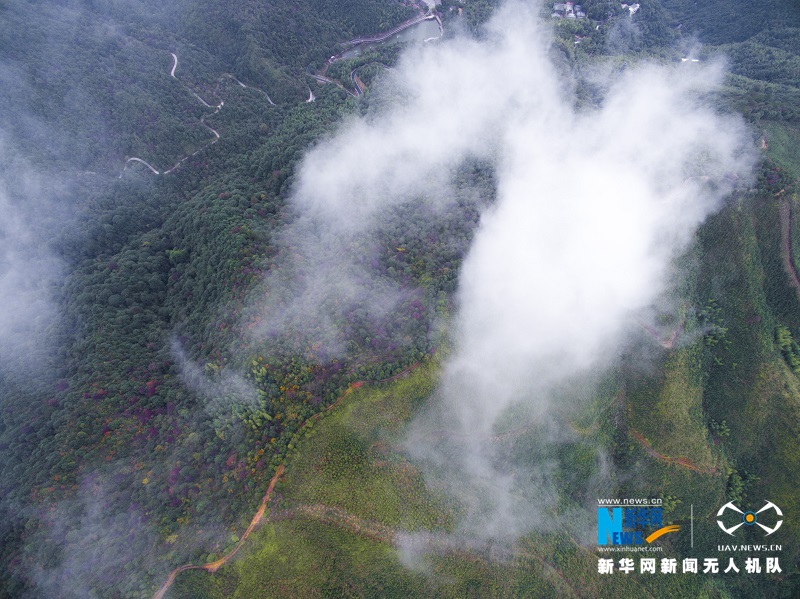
<point x="242" y="271"/>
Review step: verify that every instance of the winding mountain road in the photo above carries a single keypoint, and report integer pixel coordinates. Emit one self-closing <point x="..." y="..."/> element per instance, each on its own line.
<point x="216" y="108"/>
<point x="384" y="35"/>
<point x="244" y="85"/>
<point x="144" y="162"/>
<point x="213" y="131"/>
<point x="358" y="85"/>
<point x="319" y="77"/>
<point x="324" y="79"/>
<point x="172" y="74"/>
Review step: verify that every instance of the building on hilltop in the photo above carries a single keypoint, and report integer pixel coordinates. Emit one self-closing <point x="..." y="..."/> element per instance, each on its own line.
<point x="568" y="10"/>
<point x="632" y="8"/>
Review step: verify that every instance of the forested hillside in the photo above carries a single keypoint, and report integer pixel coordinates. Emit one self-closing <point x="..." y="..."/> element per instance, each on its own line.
<point x="147" y="396"/>
<point x="134" y="418"/>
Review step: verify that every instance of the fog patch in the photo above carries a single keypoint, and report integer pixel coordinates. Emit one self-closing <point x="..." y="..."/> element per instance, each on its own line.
<point x="30" y="269"/>
<point x="221" y="390"/>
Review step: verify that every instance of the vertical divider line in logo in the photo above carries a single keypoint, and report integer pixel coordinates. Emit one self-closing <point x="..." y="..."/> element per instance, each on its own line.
<point x="691" y="524"/>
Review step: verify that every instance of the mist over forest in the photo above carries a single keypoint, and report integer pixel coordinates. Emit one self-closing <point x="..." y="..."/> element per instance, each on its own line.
<point x="293" y="304"/>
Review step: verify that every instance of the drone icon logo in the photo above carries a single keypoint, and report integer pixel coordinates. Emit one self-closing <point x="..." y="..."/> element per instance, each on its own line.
<point x="750" y="518"/>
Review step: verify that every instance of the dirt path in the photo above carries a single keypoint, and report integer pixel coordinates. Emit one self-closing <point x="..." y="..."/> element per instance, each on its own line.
<point x="341" y="518"/>
<point x="333" y="515"/>
<point x="259" y="516"/>
<point x="665" y="342"/>
<point x="786" y="245"/>
<point x="214" y="566"/>
<point x="684" y="462"/>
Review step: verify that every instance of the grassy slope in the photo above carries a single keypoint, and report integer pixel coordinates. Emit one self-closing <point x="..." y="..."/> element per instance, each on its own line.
<point x="666" y="410"/>
<point x="784" y="146"/>
<point x="750" y="387"/>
